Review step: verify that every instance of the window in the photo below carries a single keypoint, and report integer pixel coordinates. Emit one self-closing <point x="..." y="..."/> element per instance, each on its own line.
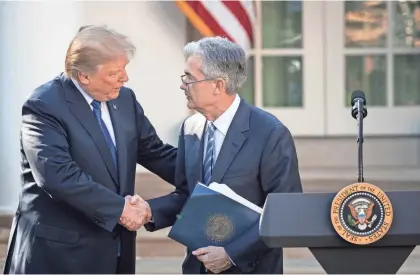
<point x="286" y="65"/>
<point x="376" y="47"/>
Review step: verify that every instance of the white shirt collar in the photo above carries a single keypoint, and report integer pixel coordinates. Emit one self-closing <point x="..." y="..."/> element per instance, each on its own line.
<point x="88" y="98"/>
<point x="223" y="122"/>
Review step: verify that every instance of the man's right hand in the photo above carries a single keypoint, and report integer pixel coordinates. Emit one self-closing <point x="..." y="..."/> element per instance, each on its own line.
<point x="136" y="213"/>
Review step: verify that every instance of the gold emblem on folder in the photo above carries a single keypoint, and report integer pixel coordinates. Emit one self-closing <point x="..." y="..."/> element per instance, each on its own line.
<point x="361" y="213"/>
<point x="219" y="228"/>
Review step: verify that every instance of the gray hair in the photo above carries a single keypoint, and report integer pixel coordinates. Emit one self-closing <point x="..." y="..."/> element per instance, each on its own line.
<point x="93" y="46"/>
<point x="220" y="58"/>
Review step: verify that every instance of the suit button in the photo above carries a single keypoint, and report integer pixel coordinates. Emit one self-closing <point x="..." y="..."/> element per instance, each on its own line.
<point x="253" y="264"/>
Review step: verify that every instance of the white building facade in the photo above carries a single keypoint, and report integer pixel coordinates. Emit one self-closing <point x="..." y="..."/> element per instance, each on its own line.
<point x="308" y="58"/>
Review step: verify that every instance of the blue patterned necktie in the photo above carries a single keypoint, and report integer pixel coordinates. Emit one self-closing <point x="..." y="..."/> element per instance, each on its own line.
<point x="208" y="161"/>
<point x="97" y="112"/>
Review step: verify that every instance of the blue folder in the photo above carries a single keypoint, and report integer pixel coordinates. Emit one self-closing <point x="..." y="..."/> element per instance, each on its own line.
<point x="209" y="218"/>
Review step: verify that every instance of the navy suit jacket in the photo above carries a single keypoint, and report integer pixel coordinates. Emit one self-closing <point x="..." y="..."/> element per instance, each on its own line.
<point x="258" y="157"/>
<point x="73" y="195"/>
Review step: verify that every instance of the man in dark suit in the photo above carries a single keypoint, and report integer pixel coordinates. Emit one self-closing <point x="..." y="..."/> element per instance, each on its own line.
<point x="231" y="142"/>
<point x="82" y="135"/>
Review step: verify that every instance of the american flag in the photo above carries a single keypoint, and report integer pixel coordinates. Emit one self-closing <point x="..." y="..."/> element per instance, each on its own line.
<point x="231" y="19"/>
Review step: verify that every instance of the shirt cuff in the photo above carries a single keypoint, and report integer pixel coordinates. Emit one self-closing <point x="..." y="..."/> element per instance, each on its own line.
<point x="231" y="261"/>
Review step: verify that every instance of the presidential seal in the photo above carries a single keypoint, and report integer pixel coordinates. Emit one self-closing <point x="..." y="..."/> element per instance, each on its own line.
<point x="361" y="213"/>
<point x="219" y="228"/>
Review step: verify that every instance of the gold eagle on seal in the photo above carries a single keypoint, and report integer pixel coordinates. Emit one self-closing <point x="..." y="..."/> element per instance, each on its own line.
<point x="219" y="228"/>
<point x="361" y="210"/>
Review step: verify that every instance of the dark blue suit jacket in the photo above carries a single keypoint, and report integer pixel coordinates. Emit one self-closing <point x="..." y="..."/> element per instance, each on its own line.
<point x="73" y="196"/>
<point x="258" y="157"/>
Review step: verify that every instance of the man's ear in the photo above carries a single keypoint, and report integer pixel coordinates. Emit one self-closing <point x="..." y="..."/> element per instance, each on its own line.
<point x="220" y="86"/>
<point x="83" y="78"/>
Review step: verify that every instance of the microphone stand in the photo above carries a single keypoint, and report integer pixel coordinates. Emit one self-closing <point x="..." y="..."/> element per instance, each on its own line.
<point x="360" y="115"/>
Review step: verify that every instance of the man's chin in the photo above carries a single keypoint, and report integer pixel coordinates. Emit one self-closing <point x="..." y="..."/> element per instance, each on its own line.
<point x="190" y="105"/>
<point x="113" y="95"/>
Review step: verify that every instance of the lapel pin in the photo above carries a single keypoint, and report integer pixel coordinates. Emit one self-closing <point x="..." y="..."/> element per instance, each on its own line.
<point x="114" y="106"/>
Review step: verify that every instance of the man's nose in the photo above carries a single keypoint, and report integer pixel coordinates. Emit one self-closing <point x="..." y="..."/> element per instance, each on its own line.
<point x="124" y="77"/>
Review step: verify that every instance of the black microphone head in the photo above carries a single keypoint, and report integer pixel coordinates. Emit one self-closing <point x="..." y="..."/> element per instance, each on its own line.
<point x="360" y="98"/>
<point x="358" y="94"/>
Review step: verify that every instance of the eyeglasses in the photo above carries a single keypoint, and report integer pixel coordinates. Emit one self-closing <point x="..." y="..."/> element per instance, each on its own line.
<point x="186" y="82"/>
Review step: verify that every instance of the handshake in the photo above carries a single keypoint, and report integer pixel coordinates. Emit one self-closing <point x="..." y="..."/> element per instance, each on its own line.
<point x="136" y="213"/>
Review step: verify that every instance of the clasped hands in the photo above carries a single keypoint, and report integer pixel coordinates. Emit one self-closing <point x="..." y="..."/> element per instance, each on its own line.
<point x="136" y="213"/>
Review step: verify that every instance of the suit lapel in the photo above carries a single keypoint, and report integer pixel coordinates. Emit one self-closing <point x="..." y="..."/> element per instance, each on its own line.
<point x="82" y="111"/>
<point x="194" y="143"/>
<point x="121" y="143"/>
<point x="200" y="164"/>
<point x="195" y="161"/>
<point x="233" y="142"/>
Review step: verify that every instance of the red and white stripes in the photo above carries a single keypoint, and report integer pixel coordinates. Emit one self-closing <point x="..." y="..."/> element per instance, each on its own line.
<point x="231" y="19"/>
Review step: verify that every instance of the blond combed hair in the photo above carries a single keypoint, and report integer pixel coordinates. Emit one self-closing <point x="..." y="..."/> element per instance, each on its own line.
<point x="93" y="46"/>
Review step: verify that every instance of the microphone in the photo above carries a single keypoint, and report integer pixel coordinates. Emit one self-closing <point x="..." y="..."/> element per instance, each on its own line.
<point x="359" y="112"/>
<point x="358" y="97"/>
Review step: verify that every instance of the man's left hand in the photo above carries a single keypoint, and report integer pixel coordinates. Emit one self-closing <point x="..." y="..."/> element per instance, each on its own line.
<point x="214" y="258"/>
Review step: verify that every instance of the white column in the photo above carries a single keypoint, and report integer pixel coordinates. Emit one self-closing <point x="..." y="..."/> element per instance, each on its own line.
<point x="34" y="37"/>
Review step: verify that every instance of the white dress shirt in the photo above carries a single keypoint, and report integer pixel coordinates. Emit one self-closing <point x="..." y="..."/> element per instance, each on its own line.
<point x="222" y="124"/>
<point x="104" y="111"/>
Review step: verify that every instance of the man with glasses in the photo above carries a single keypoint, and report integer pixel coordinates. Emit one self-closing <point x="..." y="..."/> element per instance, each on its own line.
<point x="231" y="142"/>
